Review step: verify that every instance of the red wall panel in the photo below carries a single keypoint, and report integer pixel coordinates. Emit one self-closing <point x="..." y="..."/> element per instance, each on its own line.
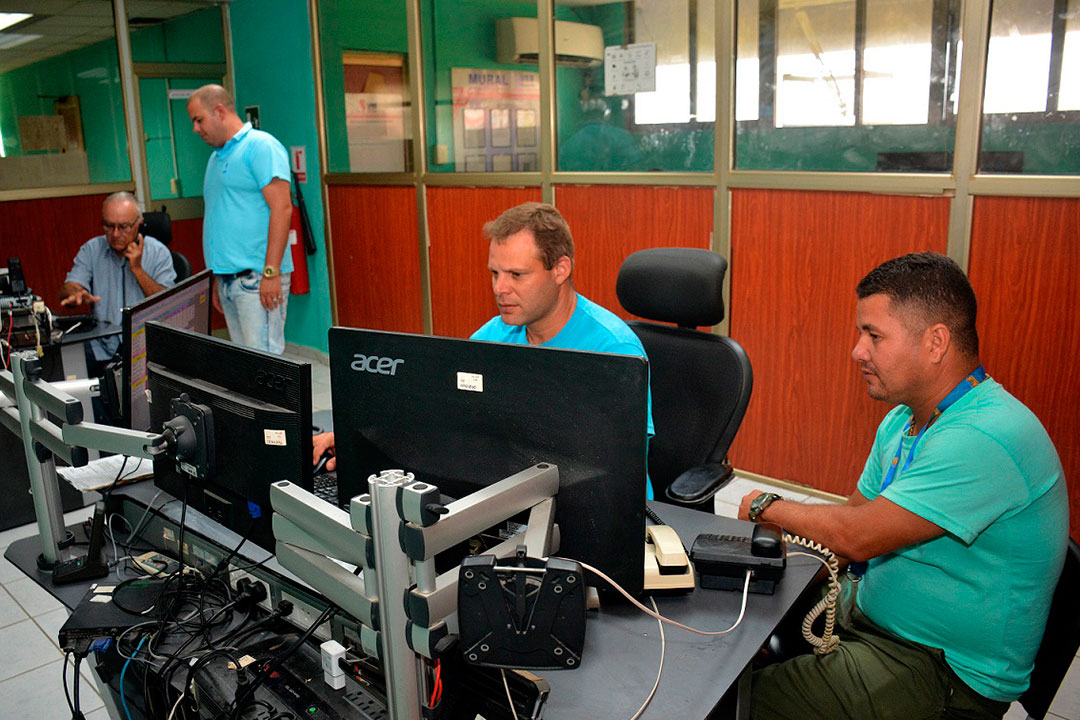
<point x="461" y="299"/>
<point x="1025" y="267"/>
<point x="376" y="257"/>
<point x="609" y="222"/>
<point x="45" y="235"/>
<point x="796" y="259"/>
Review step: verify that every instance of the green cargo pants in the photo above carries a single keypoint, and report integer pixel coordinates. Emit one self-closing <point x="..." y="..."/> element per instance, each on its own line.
<point x="873" y="675"/>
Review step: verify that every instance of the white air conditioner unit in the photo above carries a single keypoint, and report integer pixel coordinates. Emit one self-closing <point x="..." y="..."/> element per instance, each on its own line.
<point x="577" y="44"/>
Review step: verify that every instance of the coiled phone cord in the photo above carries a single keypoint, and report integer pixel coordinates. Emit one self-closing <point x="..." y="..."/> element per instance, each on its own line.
<point x="827" y="642"/>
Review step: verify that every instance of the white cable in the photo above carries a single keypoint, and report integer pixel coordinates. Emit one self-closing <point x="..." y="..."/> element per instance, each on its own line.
<point x="660" y="670"/>
<point x="173" y="711"/>
<point x="827" y="642"/>
<point x="661" y="618"/>
<point x="509" y="699"/>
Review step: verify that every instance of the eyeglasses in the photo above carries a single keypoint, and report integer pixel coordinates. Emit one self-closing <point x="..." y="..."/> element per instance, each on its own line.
<point x="122" y="227"/>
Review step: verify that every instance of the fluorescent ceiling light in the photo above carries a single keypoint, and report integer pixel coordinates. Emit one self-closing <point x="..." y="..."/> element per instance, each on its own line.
<point x="10" y="40"/>
<point x="7" y="19"/>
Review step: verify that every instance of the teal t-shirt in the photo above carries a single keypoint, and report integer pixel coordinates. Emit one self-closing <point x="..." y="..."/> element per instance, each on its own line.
<point x="987" y="473"/>
<point x="236" y="218"/>
<point x="591" y="328"/>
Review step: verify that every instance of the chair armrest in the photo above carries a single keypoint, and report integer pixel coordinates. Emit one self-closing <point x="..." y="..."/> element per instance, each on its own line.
<point x="699" y="484"/>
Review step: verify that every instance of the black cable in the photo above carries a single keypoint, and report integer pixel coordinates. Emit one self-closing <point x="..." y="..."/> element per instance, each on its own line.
<point x="67" y="695"/>
<point x="77" y="711"/>
<point x="274" y="663"/>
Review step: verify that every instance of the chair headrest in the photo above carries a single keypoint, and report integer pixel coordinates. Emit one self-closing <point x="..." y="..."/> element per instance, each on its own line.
<point x="676" y="285"/>
<point x="156" y="224"/>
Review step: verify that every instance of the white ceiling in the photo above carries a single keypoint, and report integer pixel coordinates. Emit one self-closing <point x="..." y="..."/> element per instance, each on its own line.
<point x="66" y="25"/>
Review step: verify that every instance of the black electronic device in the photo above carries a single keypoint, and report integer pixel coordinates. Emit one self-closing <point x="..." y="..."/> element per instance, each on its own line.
<point x="254" y="410"/>
<point x="721" y="561"/>
<point x="98" y="616"/>
<point x="464" y="414"/>
<point x="12" y="281"/>
<point x="521" y="612"/>
<point x="93" y="564"/>
<point x="185" y="305"/>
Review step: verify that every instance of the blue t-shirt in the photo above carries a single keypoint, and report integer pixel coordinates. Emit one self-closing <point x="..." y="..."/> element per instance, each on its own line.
<point x="987" y="473"/>
<point x="236" y="219"/>
<point x="591" y="328"/>
<point x="104" y="273"/>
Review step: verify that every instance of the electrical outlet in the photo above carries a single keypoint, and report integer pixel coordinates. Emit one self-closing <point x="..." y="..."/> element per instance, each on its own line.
<point x="303" y="615"/>
<point x="235" y="576"/>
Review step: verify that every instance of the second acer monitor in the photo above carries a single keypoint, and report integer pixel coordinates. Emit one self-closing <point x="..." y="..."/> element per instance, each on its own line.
<point x="259" y="427"/>
<point x="464" y="414"/>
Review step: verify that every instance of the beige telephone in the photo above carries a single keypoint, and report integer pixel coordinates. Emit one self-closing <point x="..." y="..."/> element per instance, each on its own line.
<point x="666" y="565"/>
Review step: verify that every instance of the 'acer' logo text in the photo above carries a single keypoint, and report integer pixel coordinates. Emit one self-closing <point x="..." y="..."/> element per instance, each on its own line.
<point x="375" y="364"/>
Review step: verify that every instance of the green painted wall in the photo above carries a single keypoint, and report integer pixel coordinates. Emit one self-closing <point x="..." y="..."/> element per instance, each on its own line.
<point x="274" y="70"/>
<point x="93" y="74"/>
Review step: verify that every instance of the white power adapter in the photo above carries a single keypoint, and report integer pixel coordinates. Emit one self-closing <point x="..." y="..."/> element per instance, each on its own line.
<point x="332" y="651"/>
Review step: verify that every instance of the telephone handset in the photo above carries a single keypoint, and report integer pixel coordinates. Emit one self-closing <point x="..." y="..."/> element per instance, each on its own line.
<point x="666" y="565"/>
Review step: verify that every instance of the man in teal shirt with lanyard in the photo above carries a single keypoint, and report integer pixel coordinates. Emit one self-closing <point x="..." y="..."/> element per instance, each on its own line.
<point x="958" y="527"/>
<point x="531" y="260"/>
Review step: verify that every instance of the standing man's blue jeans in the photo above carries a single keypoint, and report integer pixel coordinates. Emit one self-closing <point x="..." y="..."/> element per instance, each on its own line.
<point x="249" y="322"/>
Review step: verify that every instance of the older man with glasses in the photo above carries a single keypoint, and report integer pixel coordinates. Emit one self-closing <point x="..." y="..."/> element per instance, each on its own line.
<point x="116" y="270"/>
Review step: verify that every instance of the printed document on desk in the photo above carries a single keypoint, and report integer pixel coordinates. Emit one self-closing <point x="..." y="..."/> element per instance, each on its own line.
<point x="100" y="474"/>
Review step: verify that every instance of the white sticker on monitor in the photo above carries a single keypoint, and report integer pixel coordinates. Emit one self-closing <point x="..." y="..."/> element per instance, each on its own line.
<point x="274" y="437"/>
<point x="473" y="382"/>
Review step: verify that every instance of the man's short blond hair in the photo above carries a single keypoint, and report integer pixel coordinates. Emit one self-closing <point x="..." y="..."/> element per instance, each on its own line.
<point x="549" y="229"/>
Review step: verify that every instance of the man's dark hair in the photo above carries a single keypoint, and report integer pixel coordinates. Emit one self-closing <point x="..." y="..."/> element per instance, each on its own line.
<point x="547" y="225"/>
<point x="934" y="287"/>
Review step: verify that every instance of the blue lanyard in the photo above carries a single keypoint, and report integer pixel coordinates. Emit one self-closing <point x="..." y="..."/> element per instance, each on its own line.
<point x="963" y="387"/>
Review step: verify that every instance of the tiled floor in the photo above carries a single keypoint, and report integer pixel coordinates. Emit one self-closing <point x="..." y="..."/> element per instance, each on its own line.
<point x="30" y="660"/>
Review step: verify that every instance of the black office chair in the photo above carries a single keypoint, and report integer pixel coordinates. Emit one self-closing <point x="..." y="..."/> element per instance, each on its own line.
<point x="1060" y="640"/>
<point x="701" y="382"/>
<point x="157" y="225"/>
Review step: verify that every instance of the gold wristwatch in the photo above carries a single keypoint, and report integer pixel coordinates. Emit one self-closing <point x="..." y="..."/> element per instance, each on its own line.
<point x="270" y="271"/>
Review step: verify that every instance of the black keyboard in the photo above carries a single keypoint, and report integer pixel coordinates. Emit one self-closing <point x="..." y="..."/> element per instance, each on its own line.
<point x="325" y="487"/>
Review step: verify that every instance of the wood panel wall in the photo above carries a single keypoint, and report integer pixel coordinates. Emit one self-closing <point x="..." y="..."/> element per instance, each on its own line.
<point x="376" y="257"/>
<point x="609" y="222"/>
<point x="45" y="235"/>
<point x="1025" y="267"/>
<point x="796" y="259"/>
<point x="461" y="299"/>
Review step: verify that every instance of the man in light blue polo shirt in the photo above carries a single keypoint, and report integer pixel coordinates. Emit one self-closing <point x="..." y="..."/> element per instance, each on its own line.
<point x="246" y="220"/>
<point x="531" y="259"/>
<point x="116" y="270"/>
<point x="960" y="522"/>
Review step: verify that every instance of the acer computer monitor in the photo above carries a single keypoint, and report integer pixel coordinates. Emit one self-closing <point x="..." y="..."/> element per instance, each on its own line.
<point x="185" y="305"/>
<point x="259" y="430"/>
<point x="464" y="414"/>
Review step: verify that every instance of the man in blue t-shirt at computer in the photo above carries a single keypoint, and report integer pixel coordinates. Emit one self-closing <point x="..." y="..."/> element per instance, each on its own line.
<point x="531" y="260"/>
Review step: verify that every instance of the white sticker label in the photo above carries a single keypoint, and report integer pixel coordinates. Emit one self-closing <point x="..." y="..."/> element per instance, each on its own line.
<point x="473" y="382"/>
<point x="101" y="598"/>
<point x="274" y="437"/>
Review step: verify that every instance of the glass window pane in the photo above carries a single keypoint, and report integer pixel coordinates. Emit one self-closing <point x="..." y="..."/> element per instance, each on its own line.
<point x="365" y="85"/>
<point x="847" y="86"/>
<point x="651" y="104"/>
<point x="896" y="62"/>
<point x="483" y="85"/>
<point x="1069" y="88"/>
<point x="61" y="104"/>
<point x="815" y="65"/>
<point x="1032" y="74"/>
<point x="1018" y="61"/>
<point x="747" y="68"/>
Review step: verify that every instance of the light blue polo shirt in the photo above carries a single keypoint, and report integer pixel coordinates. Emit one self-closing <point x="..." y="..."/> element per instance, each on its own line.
<point x="104" y="273"/>
<point x="237" y="218"/>
<point x="591" y="328"/>
<point x="987" y="473"/>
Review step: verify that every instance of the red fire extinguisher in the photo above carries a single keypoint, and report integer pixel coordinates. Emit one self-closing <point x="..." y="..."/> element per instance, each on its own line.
<point x="299" y="284"/>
